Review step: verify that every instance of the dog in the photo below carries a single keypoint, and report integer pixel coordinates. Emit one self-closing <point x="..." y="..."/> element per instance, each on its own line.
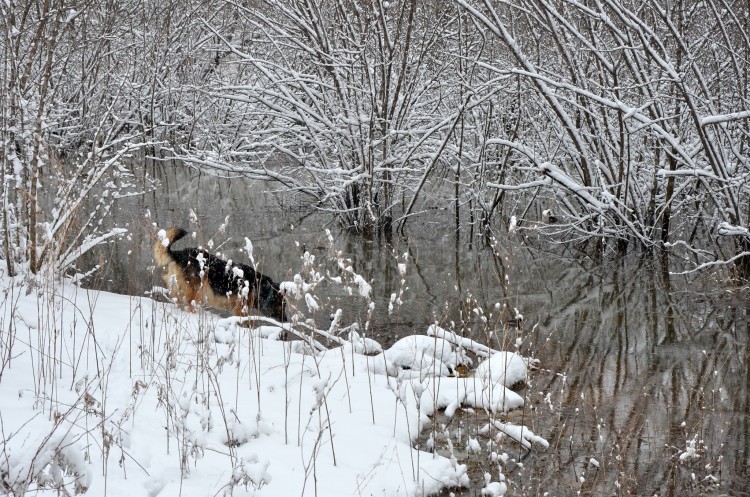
<point x="195" y="276"/>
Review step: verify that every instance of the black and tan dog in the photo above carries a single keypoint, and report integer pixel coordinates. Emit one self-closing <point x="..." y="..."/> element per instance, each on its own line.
<point x="194" y="276"/>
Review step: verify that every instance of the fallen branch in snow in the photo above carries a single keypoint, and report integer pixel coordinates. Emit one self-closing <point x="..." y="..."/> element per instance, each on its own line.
<point x="360" y="344"/>
<point x="520" y="434"/>
<point x="324" y="334"/>
<point x="228" y="323"/>
<point x="466" y="343"/>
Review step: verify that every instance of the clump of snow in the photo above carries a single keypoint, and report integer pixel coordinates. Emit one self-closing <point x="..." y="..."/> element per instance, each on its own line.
<point x="691" y="450"/>
<point x="513" y="224"/>
<point x="162" y="236"/>
<point x="363" y="285"/>
<point x="362" y="344"/>
<point x="505" y="368"/>
<point x="494" y="488"/>
<point x="249" y="250"/>
<point x="473" y="446"/>
<point x="298" y="287"/>
<point x="426" y="355"/>
<point x="289" y="288"/>
<point x="312" y="304"/>
<point x="42" y="456"/>
<point x="237" y="272"/>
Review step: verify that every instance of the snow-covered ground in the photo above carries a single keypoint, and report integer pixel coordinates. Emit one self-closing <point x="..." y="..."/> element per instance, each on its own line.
<point x="117" y="395"/>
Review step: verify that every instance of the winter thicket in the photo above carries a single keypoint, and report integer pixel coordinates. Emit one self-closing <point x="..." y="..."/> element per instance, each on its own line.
<point x="626" y="120"/>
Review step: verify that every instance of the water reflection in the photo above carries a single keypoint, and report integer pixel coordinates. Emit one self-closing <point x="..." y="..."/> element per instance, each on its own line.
<point x="653" y="368"/>
<point x="643" y="386"/>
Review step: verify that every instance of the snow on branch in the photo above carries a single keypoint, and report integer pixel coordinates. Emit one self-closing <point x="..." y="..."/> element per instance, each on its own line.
<point x="629" y="112"/>
<point x="609" y="203"/>
<point x="689" y="172"/>
<point x="522" y="186"/>
<point x="519" y="433"/>
<point x="557" y="174"/>
<point x="707" y="265"/>
<point x="88" y="244"/>
<point x="726" y="229"/>
<point x="723" y="118"/>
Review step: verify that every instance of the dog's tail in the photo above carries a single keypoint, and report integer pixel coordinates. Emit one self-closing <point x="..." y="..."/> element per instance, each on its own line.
<point x="162" y="247"/>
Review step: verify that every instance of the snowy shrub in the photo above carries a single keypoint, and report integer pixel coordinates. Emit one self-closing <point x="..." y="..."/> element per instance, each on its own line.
<point x="34" y="460"/>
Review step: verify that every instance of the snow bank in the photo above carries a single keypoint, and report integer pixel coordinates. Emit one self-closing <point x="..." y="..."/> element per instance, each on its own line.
<point x="106" y="392"/>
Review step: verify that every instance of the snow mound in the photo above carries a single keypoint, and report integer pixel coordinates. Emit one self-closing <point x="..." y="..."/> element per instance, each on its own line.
<point x="506" y="368"/>
<point x="423" y="354"/>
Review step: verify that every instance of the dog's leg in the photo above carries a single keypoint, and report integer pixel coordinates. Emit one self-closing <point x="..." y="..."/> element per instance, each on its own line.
<point x="190" y="295"/>
<point x="201" y="294"/>
<point x="239" y="308"/>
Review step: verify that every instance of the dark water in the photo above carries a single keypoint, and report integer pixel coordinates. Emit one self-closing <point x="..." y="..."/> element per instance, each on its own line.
<point x="637" y="366"/>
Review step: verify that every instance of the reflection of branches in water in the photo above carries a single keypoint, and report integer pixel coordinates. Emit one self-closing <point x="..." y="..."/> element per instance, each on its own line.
<point x="648" y="368"/>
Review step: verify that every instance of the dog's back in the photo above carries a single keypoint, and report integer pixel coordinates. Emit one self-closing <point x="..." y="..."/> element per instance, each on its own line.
<point x="195" y="275"/>
<point x="264" y="295"/>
